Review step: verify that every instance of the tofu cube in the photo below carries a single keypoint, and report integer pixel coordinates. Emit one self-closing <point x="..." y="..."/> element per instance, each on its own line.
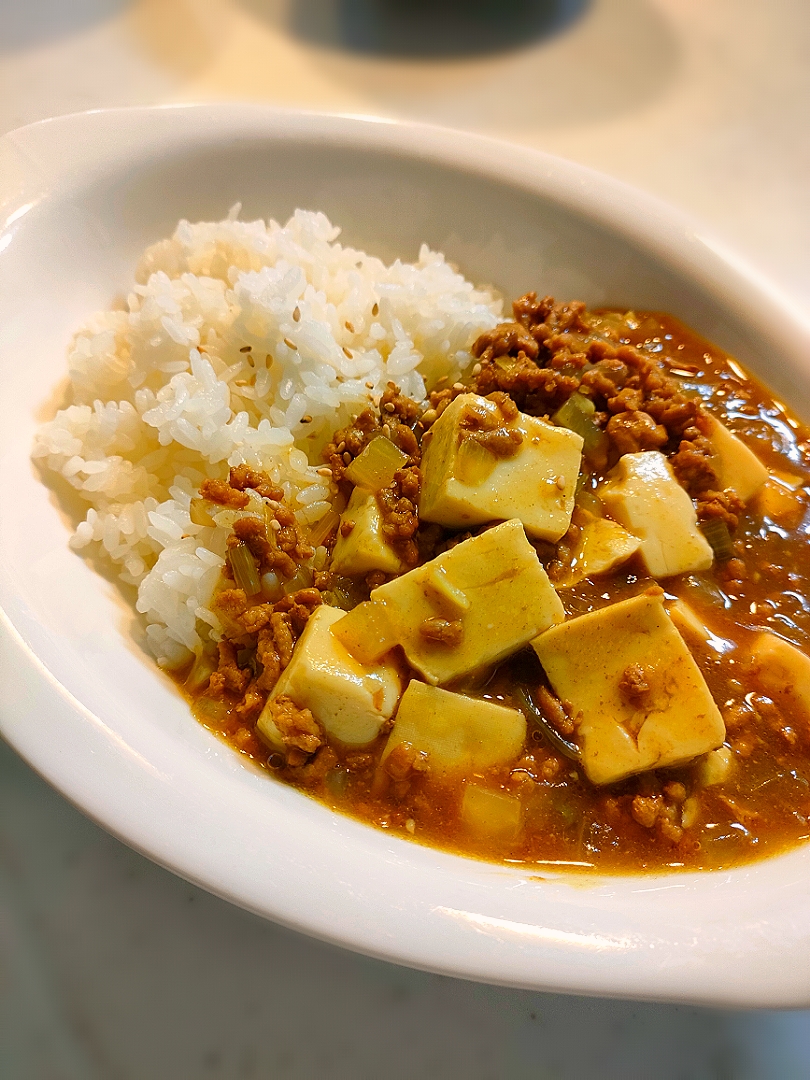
<point x="601" y="662"/>
<point x="491" y="813"/>
<point x="364" y="548"/>
<point x="459" y="735"/>
<point x="350" y="700"/>
<point x="783" y="673"/>
<point x="464" y="484"/>
<point x="491" y="590"/>
<point x="781" y="501"/>
<point x="602" y="546"/>
<point x="688" y="622"/>
<point x="736" y="466"/>
<point x="643" y="495"/>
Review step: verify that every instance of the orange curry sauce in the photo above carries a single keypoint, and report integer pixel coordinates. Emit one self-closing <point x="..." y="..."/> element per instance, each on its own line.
<point x="764" y="806"/>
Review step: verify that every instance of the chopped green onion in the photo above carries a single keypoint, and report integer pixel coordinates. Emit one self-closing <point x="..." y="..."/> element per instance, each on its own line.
<point x="474" y="463"/>
<point x="244" y="569"/>
<point x="587" y="499"/>
<point x="204" y="666"/>
<point x="374" y="468"/>
<point x="246" y="658"/>
<point x="211" y="710"/>
<point x="198" y="512"/>
<point x="301" y="580"/>
<point x="577" y="415"/>
<point x="321" y="530"/>
<point x="716" y="532"/>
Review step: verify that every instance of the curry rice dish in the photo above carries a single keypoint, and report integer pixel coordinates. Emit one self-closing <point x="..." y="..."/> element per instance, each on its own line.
<point x="553" y="608"/>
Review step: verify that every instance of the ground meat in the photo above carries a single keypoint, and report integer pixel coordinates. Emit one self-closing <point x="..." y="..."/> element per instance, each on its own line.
<point x="634" y="685"/>
<point x="249" y="708"/>
<point x="300" y="732"/>
<point x="555" y="711"/>
<point x="404" y="760"/>
<point x="400" y="516"/>
<point x="442" y="631"/>
<point x="693" y="466"/>
<point x="502" y="443"/>
<point x="229" y="677"/>
<point x="398" y="407"/>
<point x="535" y="390"/>
<point x="268" y="659"/>
<point x="395" y="418"/>
<point x="221" y="492"/>
<point x="242" y="476"/>
<point x="725" y="505"/>
<point x="645" y="809"/>
<point x="251" y="531"/>
<point x="506" y="339"/>
<point x="631" y="432"/>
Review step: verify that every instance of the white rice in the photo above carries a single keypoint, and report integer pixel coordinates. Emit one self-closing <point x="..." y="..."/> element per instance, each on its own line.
<point x="164" y="396"/>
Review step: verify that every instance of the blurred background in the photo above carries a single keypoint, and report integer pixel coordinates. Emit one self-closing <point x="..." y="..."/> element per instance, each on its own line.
<point x="113" y="968"/>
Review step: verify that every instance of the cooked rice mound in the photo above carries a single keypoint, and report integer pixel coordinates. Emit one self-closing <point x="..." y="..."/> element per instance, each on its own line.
<point x="242" y="342"/>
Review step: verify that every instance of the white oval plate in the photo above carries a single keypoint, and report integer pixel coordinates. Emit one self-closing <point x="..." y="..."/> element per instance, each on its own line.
<point x="81" y="197"/>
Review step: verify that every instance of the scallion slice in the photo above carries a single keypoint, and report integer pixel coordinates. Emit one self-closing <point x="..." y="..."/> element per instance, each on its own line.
<point x="717" y="533"/>
<point x="374" y="468"/>
<point x="577" y="415"/>
<point x="244" y="569"/>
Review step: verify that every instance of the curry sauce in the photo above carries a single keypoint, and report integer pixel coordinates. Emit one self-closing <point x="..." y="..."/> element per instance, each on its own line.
<point x="643" y="384"/>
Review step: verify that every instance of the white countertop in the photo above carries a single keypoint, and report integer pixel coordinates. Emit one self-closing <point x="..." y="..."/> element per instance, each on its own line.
<point x="113" y="968"/>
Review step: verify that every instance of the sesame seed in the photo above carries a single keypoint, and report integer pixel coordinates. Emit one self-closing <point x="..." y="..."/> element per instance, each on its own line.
<point x="375" y="310"/>
<point x="306" y="419"/>
<point x="275" y="525"/>
<point x="560" y="482"/>
<point x="348" y="353"/>
<point x="325" y="471"/>
<point x="349" y="326"/>
<point x="297" y="314"/>
<point x="347" y="458"/>
<point x="369" y="386"/>
<point x="477" y="369"/>
<point x="341" y="447"/>
<point x="246" y="348"/>
<point x="386" y="430"/>
<point x="290" y="344"/>
<point x="389" y="406"/>
<point x="458" y="386"/>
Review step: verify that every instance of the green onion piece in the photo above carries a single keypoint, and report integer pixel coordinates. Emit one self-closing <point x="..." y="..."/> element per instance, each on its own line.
<point x="244" y="569"/>
<point x="587" y="499"/>
<point x="211" y="710"/>
<point x="474" y="463"/>
<point x="198" y="512"/>
<point x="716" y="532"/>
<point x="321" y="530"/>
<point x="302" y="579"/>
<point x="204" y="666"/>
<point x="577" y="415"/>
<point x="374" y="468"/>
<point x="246" y="658"/>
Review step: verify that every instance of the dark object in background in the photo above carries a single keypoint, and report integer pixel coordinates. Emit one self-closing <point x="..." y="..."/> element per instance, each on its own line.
<point x="430" y="28"/>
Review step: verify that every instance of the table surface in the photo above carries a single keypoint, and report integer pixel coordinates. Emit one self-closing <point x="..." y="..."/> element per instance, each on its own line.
<point x="113" y="968"/>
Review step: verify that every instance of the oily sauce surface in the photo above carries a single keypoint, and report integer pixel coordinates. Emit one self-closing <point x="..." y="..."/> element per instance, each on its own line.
<point x="764" y="805"/>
